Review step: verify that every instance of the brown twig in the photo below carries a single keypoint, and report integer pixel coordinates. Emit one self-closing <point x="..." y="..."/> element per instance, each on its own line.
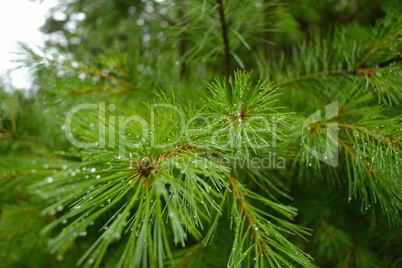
<point x="247" y="216"/>
<point x="244" y="208"/>
<point x="13" y="118"/>
<point x="375" y="49"/>
<point x="360" y="71"/>
<point x="224" y="27"/>
<point x="189" y="256"/>
<point x="314" y="75"/>
<point x="183" y="41"/>
<point x="111" y="90"/>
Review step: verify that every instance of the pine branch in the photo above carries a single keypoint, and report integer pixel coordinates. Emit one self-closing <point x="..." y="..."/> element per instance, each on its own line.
<point x="257" y="236"/>
<point x="195" y="250"/>
<point x="224" y="29"/>
<point x="8" y="133"/>
<point x="377" y="47"/>
<point x="315" y="75"/>
<point x="370" y="152"/>
<point x="183" y="43"/>
<point x="313" y="62"/>
<point x="358" y="71"/>
<point x="110" y="90"/>
<point x="184" y="185"/>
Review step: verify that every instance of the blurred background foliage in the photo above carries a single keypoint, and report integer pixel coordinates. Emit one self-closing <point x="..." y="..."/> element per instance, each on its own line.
<point x="127" y="51"/>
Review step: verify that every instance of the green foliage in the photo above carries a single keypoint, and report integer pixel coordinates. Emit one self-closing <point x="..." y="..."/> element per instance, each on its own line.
<point x="142" y="144"/>
<point x="176" y="191"/>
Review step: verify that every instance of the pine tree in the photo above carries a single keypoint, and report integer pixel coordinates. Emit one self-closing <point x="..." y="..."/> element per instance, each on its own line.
<point x="206" y="134"/>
